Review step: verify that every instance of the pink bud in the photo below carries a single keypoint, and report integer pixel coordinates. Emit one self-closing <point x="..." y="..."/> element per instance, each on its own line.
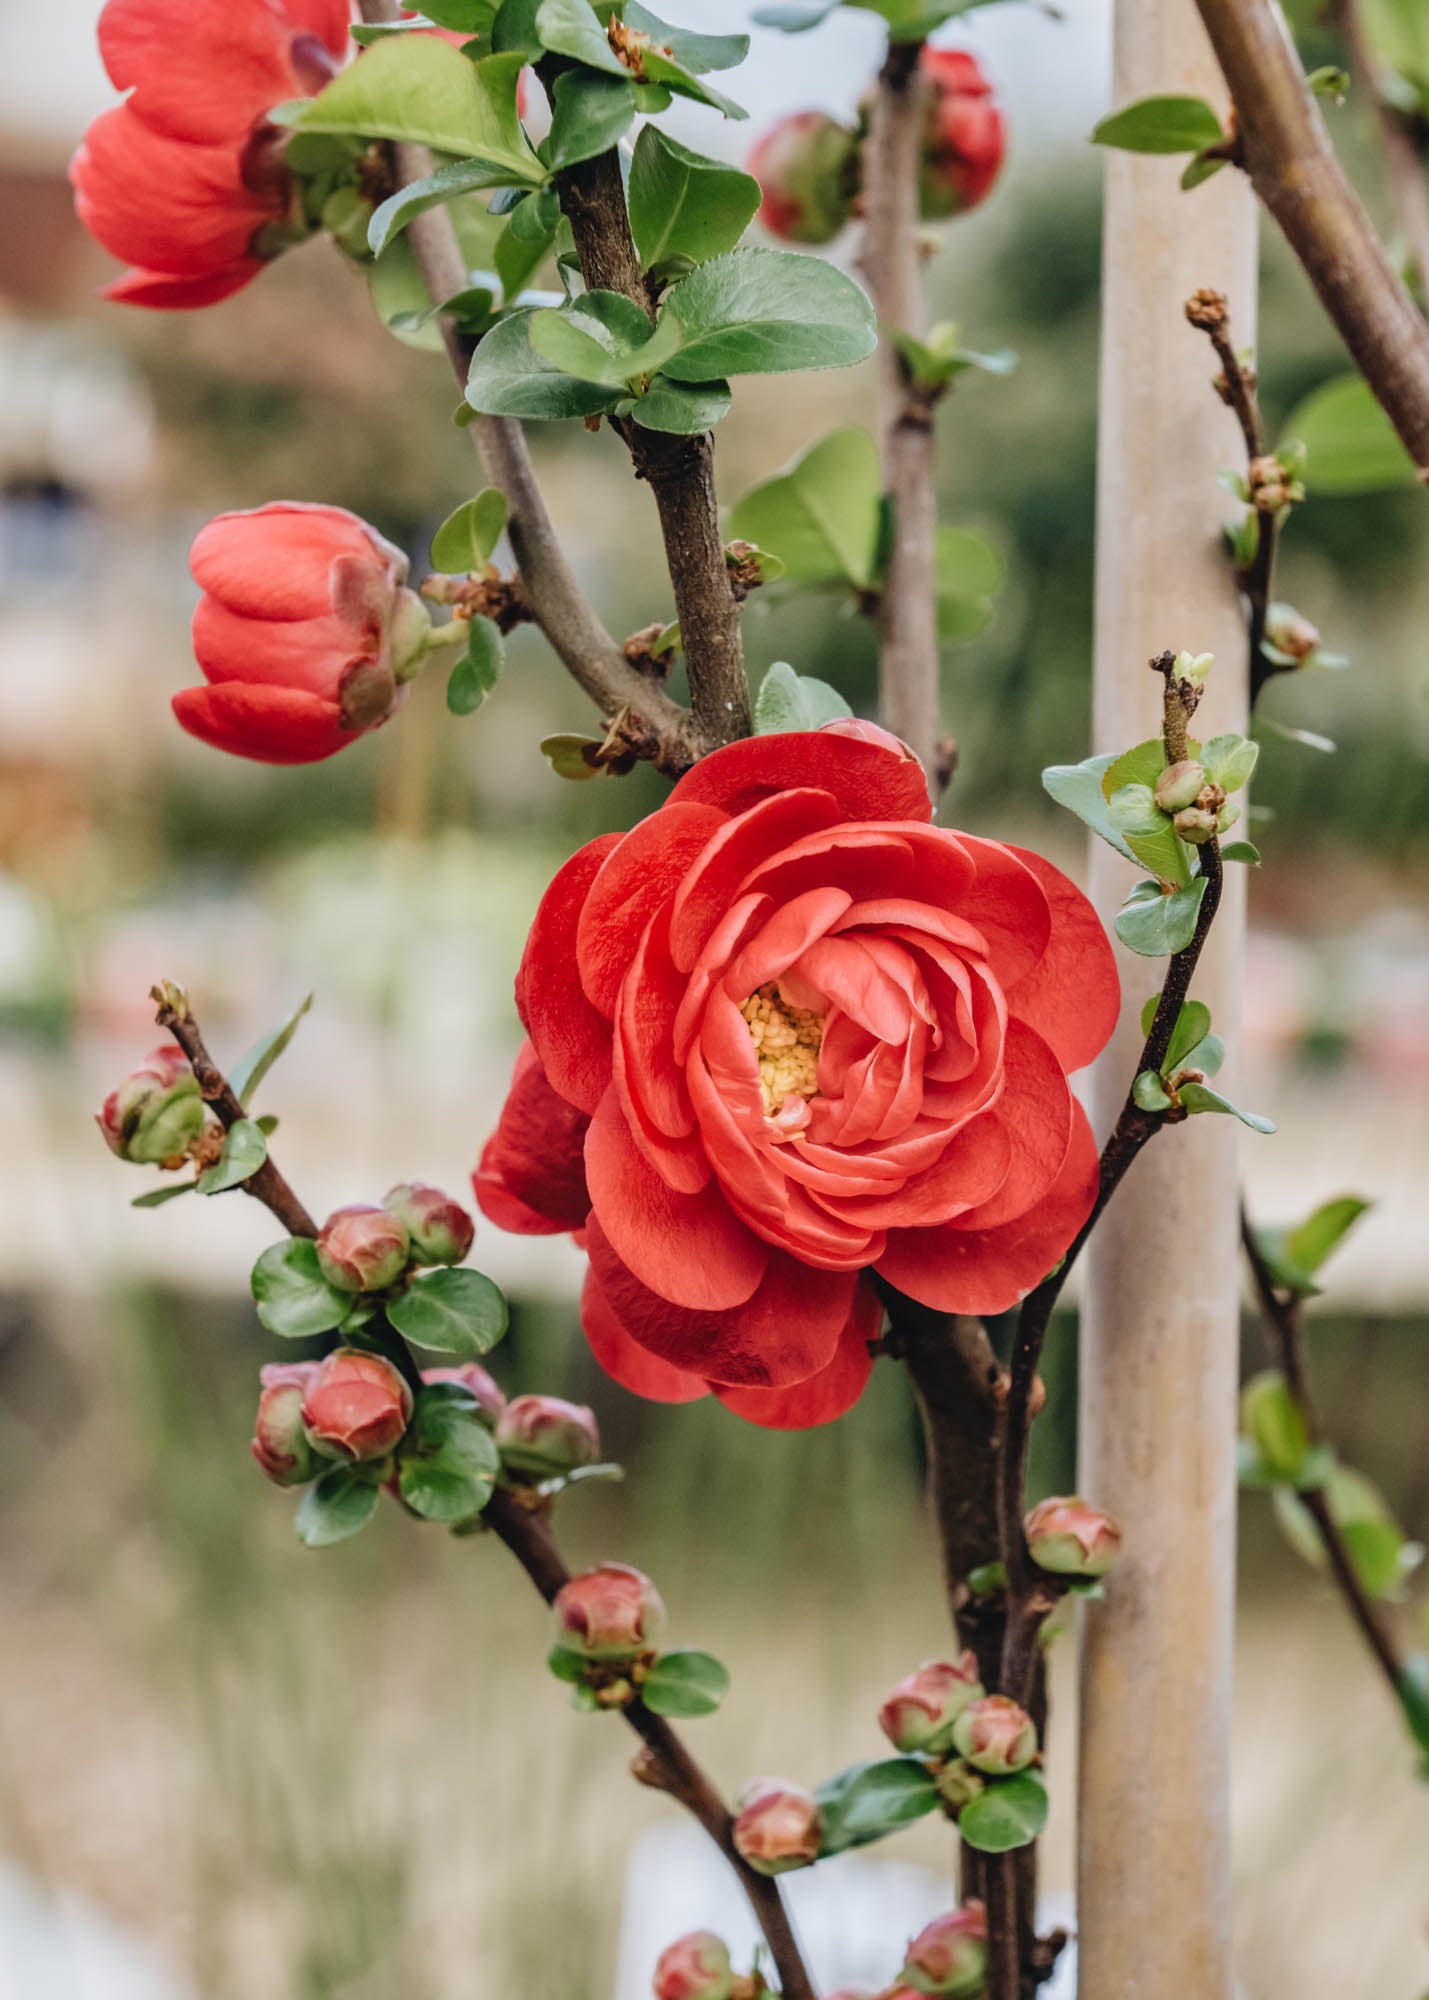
<point x="280" y="1443"/>
<point x="694" y="1967"/>
<point x="541" y="1437"/>
<point x="996" y="1735"/>
<point x="440" y="1230"/>
<point x="950" y="1955"/>
<point x="807" y="166"/>
<point x="777" y="1826"/>
<point x="966" y="138"/>
<point x="918" y="1716"/>
<point x="490" y="1397"/>
<point x="356" y="1405"/>
<point x="362" y="1249"/>
<point x="156" y="1113"/>
<point x="1070" y="1538"/>
<point x="610" y="1613"/>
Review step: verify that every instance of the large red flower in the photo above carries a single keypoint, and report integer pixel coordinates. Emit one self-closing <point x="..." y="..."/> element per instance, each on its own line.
<point x="786" y="1033"/>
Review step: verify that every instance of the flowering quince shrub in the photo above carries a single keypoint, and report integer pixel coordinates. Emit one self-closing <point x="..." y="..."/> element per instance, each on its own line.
<point x="799" y="1057"/>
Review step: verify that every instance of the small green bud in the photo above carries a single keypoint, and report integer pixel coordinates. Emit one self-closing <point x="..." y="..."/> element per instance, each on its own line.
<point x="1194" y="667"/>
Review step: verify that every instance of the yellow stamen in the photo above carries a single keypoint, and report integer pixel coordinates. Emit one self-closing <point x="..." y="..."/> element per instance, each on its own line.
<point x="786" y="1046"/>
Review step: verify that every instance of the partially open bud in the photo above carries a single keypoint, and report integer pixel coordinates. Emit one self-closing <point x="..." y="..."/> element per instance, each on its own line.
<point x="918" y="1716"/>
<point x="156" y="1113"/>
<point x="490" y="1397"/>
<point x="959" y="1784"/>
<point x="363" y="1249"/>
<point x="1180" y="785"/>
<point x="611" y="1613"/>
<point x="950" y="1955"/>
<point x="1070" y="1538"/>
<point x="694" y="1967"/>
<point x="807" y="167"/>
<point x="777" y="1826"/>
<point x="439" y="1230"/>
<point x="541" y="1437"/>
<point x="1193" y="667"/>
<point x="1197" y="825"/>
<point x="1291" y="633"/>
<point x="996" y="1735"/>
<point x="280" y="1443"/>
<point x="356" y="1405"/>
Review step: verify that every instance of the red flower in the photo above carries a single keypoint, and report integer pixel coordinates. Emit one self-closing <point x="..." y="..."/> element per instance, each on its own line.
<point x="302" y="630"/>
<point x="785" y="1033"/>
<point x="185" y="181"/>
<point x="966" y="134"/>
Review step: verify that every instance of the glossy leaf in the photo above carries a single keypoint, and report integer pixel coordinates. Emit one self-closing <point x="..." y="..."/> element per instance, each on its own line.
<point x="765" y="312"/>
<point x="868" y="1801"/>
<point x="590" y="113"/>
<point x="1200" y="1097"/>
<point x="448" y="1462"/>
<point x="1244" y="851"/>
<point x="682" y="408"/>
<point x="293" y="1297"/>
<point x="1078" y="787"/>
<point x="339" y="1506"/>
<point x="570" y="28"/>
<point x="684" y="208"/>
<point x="1149" y="1092"/>
<point x="1230" y="761"/>
<point x="159" y="1197"/>
<point x="526" y="240"/>
<point x="1321" y="1233"/>
<point x="685" y="1684"/>
<point x="244" y="1151"/>
<point x="1008" y="1813"/>
<point x="419" y="88"/>
<point x="1156" y="923"/>
<point x="479" y="668"/>
<point x="467" y="539"/>
<point x="392" y="216"/>
<point x="451" y="1312"/>
<point x="254" y="1064"/>
<point x="1149" y="834"/>
<point x="1377" y="1546"/>
<point x="821" y="517"/>
<point x="510" y="379"/>
<point x="1160" y="125"/>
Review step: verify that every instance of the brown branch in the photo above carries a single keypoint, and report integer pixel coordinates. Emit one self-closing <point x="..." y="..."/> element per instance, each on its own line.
<point x="665" y="1761"/>
<point x="1282" y="1312"/>
<point x="892" y="262"/>
<point x="1398" y="131"/>
<point x="1293" y="166"/>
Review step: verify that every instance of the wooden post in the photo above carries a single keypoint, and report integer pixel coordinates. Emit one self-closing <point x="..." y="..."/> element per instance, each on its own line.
<point x="1159" y="1346"/>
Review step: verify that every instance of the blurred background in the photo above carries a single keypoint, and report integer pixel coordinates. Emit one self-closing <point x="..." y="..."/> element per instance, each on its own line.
<point x="228" y="1766"/>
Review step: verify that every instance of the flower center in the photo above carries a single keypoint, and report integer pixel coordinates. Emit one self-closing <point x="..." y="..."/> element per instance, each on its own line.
<point x="786" y="1047"/>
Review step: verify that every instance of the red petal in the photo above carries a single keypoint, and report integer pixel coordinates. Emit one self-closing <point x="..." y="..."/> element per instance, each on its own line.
<point x="270" y="724"/>
<point x="1006" y="902"/>
<point x="1072" y="996"/>
<point x="987" y="1271"/>
<point x="868" y="780"/>
<point x="1035" y="1110"/>
<point x="634" y="1367"/>
<point x="311" y="653"/>
<point x="163" y="293"/>
<point x="276" y="562"/>
<point x="531" y="1177"/>
<point x="712" y="885"/>
<point x="203" y="70"/>
<point x="571" y="1038"/>
<point x="831" y="1392"/>
<point x="161" y="204"/>
<point x="639" y="875"/>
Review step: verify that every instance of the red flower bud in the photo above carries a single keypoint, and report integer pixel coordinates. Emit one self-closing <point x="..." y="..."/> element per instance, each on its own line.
<point x="777" y="1826"/>
<point x="490" y="1397"/>
<point x="996" y="1735"/>
<point x="440" y="1229"/>
<point x="966" y="136"/>
<point x="694" y="1967"/>
<point x="305" y="633"/>
<point x="610" y="1613"/>
<point x="156" y="1113"/>
<point x="918" y="1716"/>
<point x="807" y="166"/>
<point x="950" y="1954"/>
<point x="362" y="1249"/>
<point x="280" y="1443"/>
<point x="1072" y="1539"/>
<point x="541" y="1437"/>
<point x="356" y="1405"/>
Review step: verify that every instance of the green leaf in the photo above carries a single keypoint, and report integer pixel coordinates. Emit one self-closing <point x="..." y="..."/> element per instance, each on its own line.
<point x="1382" y="1557"/>
<point x="244" y="1151"/>
<point x="157" y="1197"/>
<point x="1160" y="125"/>
<point x="968" y="574"/>
<point x="470" y="17"/>
<point x="1149" y="834"/>
<point x="795" y="16"/>
<point x="685" y="1684"/>
<point x="293" y="1297"/>
<point x="693" y="51"/>
<point x="1313" y="1240"/>
<point x="466" y="539"/>
<point x="1229" y="761"/>
<point x="479" y="668"/>
<point x="684" y="208"/>
<point x="1352" y="447"/>
<point x="1273" y="1421"/>
<point x="683" y="409"/>
<point x="821" y="517"/>
<point x="1329" y="80"/>
<point x="789" y="701"/>
<point x="569" y="28"/>
<point x="1414" y="1697"/>
<point x="514" y="29"/>
<point x="867" y="1801"/>
<point x="1307" y="738"/>
<point x="590" y="113"/>
<point x="1008" y="1813"/>
<point x="1242" y="850"/>
<point x="251" y="1068"/>
<point x="765" y="312"/>
<point x="1201" y="168"/>
<point x="1193" y="1024"/>
<point x="510" y="379"/>
<point x="1078" y="787"/>
<point x="448" y="1461"/>
<point x="575" y="340"/>
<point x="525" y="242"/>
<point x="460" y="177"/>
<point x="1155" y="923"/>
<point x="1149" y="1093"/>
<point x="419" y="88"/>
<point x="451" y="1311"/>
<point x="566" y="755"/>
<point x="338" y="1506"/>
<point x="1200" y="1097"/>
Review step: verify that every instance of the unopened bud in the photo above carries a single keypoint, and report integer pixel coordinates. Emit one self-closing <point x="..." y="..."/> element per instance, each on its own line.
<point x="490" y="1398"/>
<point x="1196" y="825"/>
<point x="363" y="1249"/>
<point x="612" y="1613"/>
<point x="1070" y="1538"/>
<point x="950" y="1955"/>
<point x="356" y="1405"/>
<point x="919" y="1714"/>
<point x="1291" y="633"/>
<point x="439" y="1229"/>
<point x="807" y="168"/>
<point x="959" y="1784"/>
<point x="694" y="1967"/>
<point x="280" y="1443"/>
<point x="996" y="1735"/>
<point x="541" y="1437"/>
<point x="1193" y="667"/>
<point x="777" y="1826"/>
<point x="1179" y="785"/>
<point x="156" y="1114"/>
<point x="1207" y="309"/>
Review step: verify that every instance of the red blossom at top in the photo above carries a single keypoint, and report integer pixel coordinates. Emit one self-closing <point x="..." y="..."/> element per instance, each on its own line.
<point x="966" y="138"/>
<point x="785" y="1033"/>
<point x="185" y="180"/>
